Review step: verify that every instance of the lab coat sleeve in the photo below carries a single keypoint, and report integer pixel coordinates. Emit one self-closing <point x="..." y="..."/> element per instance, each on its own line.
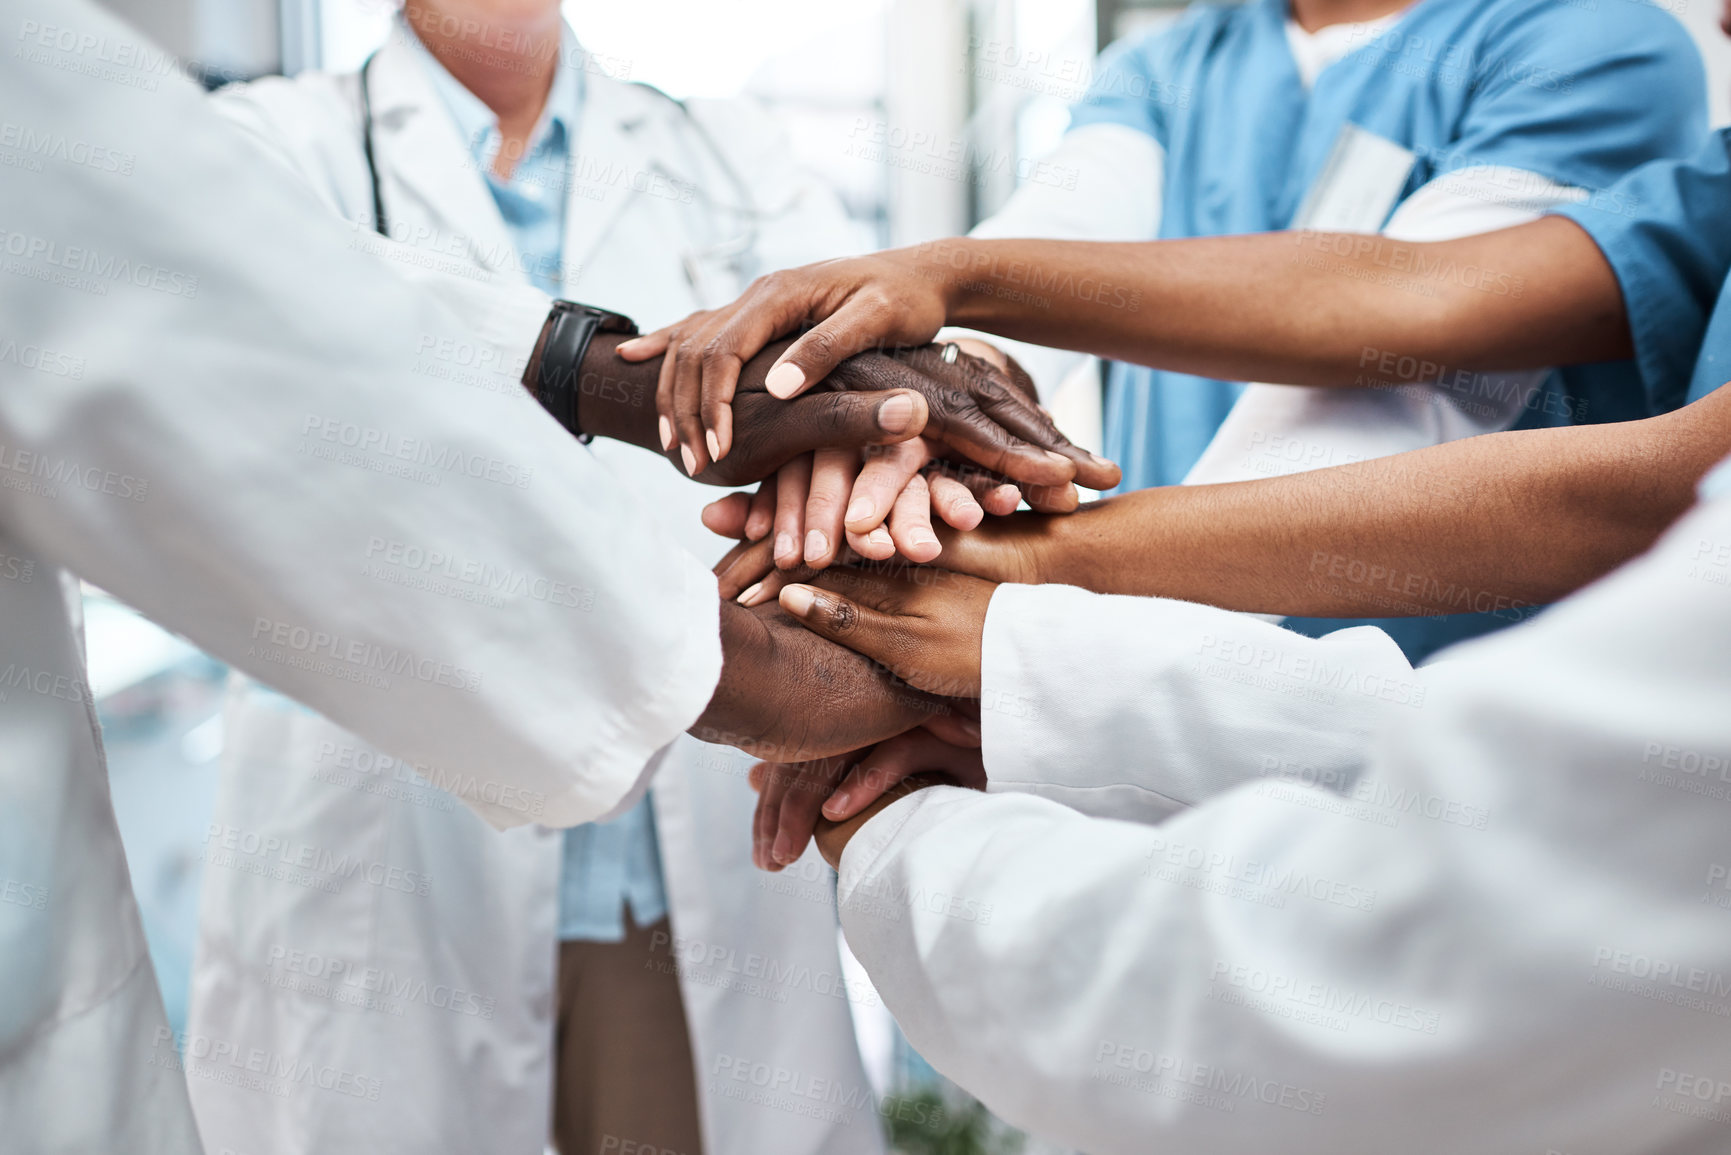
<point x="269" y="449"/>
<point x="1135" y="708"/>
<point x="1102" y="183"/>
<point x="1520" y="945"/>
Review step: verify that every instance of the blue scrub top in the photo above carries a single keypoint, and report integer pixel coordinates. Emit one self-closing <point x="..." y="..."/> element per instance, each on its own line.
<point x="1666" y="231"/>
<point x="1579" y="97"/>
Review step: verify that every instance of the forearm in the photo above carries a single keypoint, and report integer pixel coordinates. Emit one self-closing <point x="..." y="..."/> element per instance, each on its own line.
<point x="1300" y="308"/>
<point x="1489" y="522"/>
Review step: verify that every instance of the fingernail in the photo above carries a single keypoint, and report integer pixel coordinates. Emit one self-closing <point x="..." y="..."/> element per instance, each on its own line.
<point x="837" y="805"/>
<point x="630" y="346"/>
<point x="785" y="547"/>
<point x="971" y="729"/>
<point x="860" y="509"/>
<point x="1058" y="457"/>
<point x="797" y="600"/>
<point x="784" y="380"/>
<point x="666" y="427"/>
<point x="1098" y="460"/>
<point x="922" y="537"/>
<point x="896" y="414"/>
<point x="690" y="460"/>
<point x="714" y="443"/>
<point x="816" y="545"/>
<point x="881" y="538"/>
<point x="744" y="599"/>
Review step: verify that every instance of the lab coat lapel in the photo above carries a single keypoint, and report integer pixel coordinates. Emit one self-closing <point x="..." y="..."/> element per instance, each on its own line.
<point x="613" y="162"/>
<point x="430" y="181"/>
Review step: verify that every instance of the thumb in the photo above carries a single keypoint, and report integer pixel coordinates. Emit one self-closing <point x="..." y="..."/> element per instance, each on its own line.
<point x="840" y="619"/>
<point x="854" y="328"/>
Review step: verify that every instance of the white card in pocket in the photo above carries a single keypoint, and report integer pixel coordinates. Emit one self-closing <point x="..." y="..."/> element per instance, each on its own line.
<point x="1359" y="184"/>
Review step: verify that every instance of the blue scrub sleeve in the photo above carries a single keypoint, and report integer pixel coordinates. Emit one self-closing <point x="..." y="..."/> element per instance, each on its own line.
<point x="1578" y="100"/>
<point x="1666" y="232"/>
<point x="1135" y="82"/>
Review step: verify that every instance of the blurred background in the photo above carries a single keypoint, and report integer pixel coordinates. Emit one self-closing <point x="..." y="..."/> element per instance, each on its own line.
<point x="924" y="114"/>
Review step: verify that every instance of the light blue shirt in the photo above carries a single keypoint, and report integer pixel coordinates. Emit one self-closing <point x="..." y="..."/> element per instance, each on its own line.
<point x="1579" y="97"/>
<point x="610" y="866"/>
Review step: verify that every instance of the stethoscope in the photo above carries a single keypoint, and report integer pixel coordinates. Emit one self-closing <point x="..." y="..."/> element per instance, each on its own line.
<point x="732" y="251"/>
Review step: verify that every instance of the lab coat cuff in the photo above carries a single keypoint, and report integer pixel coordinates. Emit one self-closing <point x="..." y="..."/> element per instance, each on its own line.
<point x="876" y="840"/>
<point x="1042" y="727"/>
<point x="681" y="691"/>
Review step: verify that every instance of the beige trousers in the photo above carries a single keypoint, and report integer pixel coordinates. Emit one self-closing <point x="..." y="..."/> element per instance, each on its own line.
<point x="623" y="1082"/>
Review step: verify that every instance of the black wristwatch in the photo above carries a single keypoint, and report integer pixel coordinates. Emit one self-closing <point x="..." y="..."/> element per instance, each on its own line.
<point x="554" y="366"/>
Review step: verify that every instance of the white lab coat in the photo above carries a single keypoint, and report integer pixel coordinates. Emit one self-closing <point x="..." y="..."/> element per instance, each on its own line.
<point x="461" y="1050"/>
<point x="1506" y="927"/>
<point x="181" y="331"/>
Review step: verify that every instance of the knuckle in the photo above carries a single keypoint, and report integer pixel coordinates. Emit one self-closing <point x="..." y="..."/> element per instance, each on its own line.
<point x="843" y="616"/>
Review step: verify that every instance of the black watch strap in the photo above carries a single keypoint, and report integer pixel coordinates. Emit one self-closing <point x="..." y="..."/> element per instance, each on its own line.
<point x="557" y="362"/>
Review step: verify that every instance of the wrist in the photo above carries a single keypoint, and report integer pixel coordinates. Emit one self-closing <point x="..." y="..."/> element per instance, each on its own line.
<point x="616" y="397"/>
<point x="945" y="265"/>
<point x="575" y="374"/>
<point x="833" y="837"/>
